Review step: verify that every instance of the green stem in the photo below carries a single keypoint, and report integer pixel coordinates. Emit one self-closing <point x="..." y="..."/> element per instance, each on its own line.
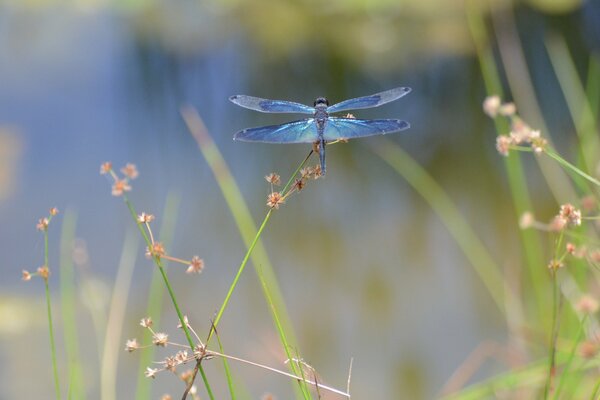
<point x="569" y="361"/>
<point x="554" y="337"/>
<point x="251" y="248"/>
<point x="50" y="325"/>
<point x="571" y="167"/>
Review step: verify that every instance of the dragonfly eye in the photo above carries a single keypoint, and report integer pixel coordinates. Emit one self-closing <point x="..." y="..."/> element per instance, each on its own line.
<point x="321" y="100"/>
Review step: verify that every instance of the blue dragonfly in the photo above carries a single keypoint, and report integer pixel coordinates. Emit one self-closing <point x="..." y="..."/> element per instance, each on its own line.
<point x="321" y="128"/>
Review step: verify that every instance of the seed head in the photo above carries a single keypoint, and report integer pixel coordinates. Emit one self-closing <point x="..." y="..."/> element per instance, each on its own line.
<point x="43" y="271"/>
<point x="146" y="322"/>
<point x="503" y="144"/>
<point x="26" y="276"/>
<point x="130" y="171"/>
<point x="196" y="265"/>
<point x="491" y="105"/>
<point x="144" y="218"/>
<point x="42" y="224"/>
<point x="120" y="186"/>
<point x="150" y="372"/>
<point x="588" y="349"/>
<point x="554" y="265"/>
<point x="274" y="200"/>
<point x="160" y="339"/>
<point x="570" y="214"/>
<point x="587" y="305"/>
<point x="131" y="345"/>
<point x="527" y="220"/>
<point x="156" y="250"/>
<point x="273" y="179"/>
<point x="105" y="168"/>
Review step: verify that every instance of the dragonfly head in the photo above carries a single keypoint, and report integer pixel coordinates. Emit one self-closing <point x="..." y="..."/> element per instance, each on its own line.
<point x="321" y="100"/>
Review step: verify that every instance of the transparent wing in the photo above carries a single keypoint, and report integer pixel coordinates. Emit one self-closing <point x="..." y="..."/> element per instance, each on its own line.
<point x="349" y="128"/>
<point x="304" y="131"/>
<point x="374" y="100"/>
<point x="270" y="106"/>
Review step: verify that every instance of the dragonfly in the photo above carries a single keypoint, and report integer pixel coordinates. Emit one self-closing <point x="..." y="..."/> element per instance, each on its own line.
<point x="321" y="128"/>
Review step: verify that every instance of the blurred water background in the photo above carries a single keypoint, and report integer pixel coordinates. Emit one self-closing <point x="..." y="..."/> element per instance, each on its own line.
<point x="367" y="269"/>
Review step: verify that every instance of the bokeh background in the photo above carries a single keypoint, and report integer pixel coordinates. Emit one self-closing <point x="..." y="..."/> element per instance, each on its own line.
<point x="367" y="269"/>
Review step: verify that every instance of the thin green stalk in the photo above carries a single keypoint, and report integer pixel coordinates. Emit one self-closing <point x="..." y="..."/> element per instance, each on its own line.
<point x="68" y="303"/>
<point x="571" y="357"/>
<point x="227" y="369"/>
<point x="50" y="324"/>
<point x="554" y="336"/>
<point x="596" y="392"/>
<point x="571" y="167"/>
<point x="251" y="248"/>
<point x="293" y="366"/>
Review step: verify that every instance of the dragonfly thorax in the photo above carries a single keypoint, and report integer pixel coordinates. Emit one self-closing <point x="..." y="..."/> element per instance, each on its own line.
<point x="321" y="100"/>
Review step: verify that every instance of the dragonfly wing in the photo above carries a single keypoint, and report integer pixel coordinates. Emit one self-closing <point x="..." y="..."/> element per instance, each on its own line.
<point x="303" y="131"/>
<point x="374" y="100"/>
<point x="350" y="128"/>
<point x="270" y="106"/>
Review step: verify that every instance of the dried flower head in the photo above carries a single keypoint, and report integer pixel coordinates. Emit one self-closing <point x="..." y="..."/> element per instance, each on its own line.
<point x="527" y="220"/>
<point x="538" y="144"/>
<point x="144" y="218"/>
<point x="557" y="224"/>
<point x="587" y="305"/>
<point x="299" y="184"/>
<point x="520" y="131"/>
<point x="274" y="200"/>
<point x="588" y="203"/>
<point x="160" y="339"/>
<point x="170" y="363"/>
<point x="43" y="271"/>
<point x="26" y="276"/>
<point x="196" y="265"/>
<point x="156" y="250"/>
<point x="53" y="211"/>
<point x="120" y="186"/>
<point x="42" y="224"/>
<point x="595" y="256"/>
<point x="503" y="144"/>
<point x="273" y="179"/>
<point x="491" y="105"/>
<point x="150" y="372"/>
<point x="181" y="357"/>
<point x="146" y="322"/>
<point x="130" y="171"/>
<point x="131" y="345"/>
<point x="554" y="265"/>
<point x="570" y="214"/>
<point x="105" y="168"/>
<point x="588" y="349"/>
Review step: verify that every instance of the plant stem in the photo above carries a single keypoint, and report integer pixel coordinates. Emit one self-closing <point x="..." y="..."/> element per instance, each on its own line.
<point x="50" y="325"/>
